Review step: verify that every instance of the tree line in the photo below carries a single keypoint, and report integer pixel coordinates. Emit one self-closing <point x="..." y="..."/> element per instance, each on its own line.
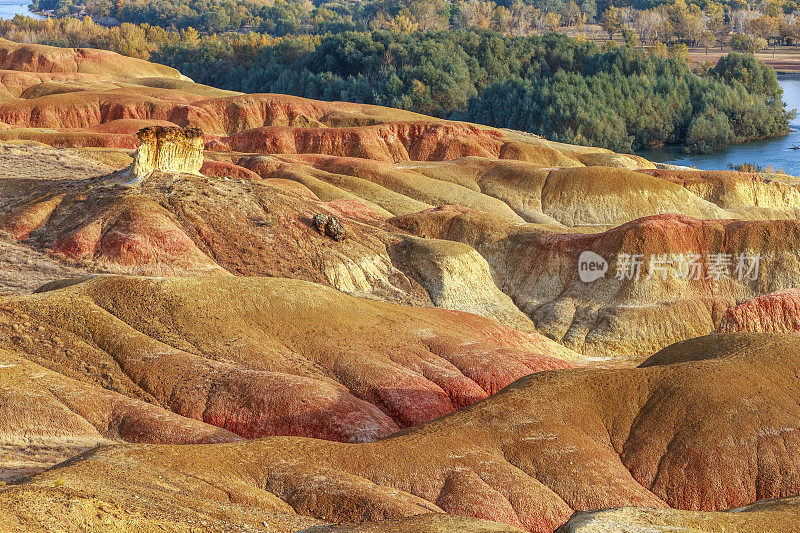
<point x="744" y="28"/>
<point x="692" y="22"/>
<point x="293" y="17"/>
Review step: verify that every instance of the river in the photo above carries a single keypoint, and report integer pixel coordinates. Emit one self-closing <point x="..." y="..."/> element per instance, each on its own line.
<point x="9" y="8"/>
<point x="776" y="152"/>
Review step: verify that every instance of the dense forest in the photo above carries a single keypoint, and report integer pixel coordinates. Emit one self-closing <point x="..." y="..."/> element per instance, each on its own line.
<point x="566" y="89"/>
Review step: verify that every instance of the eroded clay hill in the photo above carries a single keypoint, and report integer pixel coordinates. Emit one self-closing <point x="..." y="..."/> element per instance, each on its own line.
<point x="670" y="277"/>
<point x="549" y="444"/>
<point x="82" y="97"/>
<point x="449" y="214"/>
<point x="776" y="312"/>
<point x="28" y="61"/>
<point x="505" y="245"/>
<point x="205" y="359"/>
<point x="210" y="226"/>
<point x="173" y="305"/>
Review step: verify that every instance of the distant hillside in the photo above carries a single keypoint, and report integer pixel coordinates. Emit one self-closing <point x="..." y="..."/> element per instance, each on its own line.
<point x="567" y="90"/>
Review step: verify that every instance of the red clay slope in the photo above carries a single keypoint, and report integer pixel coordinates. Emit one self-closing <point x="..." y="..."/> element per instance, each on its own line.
<point x="268" y="356"/>
<point x="41" y="58"/>
<point x="83" y="97"/>
<point x="776" y="312"/>
<point x="548" y="444"/>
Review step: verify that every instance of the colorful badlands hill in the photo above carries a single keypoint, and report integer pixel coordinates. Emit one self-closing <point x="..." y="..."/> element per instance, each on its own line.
<point x="442" y="368"/>
<point x="493" y="237"/>
<point x="248" y="355"/>
<point x="549" y="444"/>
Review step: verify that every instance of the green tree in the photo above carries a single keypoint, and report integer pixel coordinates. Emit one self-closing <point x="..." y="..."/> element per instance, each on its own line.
<point x="745" y="43"/>
<point x="611" y="21"/>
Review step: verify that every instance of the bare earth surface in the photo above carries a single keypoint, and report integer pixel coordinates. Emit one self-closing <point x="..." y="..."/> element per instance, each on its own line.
<point x="23" y="269"/>
<point x="206" y="356"/>
<point x="34" y="160"/>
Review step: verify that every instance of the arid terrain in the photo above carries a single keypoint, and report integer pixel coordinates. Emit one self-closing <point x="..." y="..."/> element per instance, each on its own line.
<point x="258" y="312"/>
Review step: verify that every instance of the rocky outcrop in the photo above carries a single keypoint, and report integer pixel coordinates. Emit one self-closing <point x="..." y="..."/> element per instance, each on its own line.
<point x="328" y="225"/>
<point x="168" y="150"/>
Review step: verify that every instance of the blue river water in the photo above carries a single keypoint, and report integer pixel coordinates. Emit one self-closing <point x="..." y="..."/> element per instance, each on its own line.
<point x="776" y="152"/>
<point x="9" y="8"/>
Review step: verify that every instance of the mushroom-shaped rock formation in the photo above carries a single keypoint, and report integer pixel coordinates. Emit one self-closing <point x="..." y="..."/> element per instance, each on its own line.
<point x="167" y="149"/>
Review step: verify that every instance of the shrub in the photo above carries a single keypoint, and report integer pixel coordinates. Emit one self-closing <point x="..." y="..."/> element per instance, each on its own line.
<point x="710" y="131"/>
<point x="746" y="43"/>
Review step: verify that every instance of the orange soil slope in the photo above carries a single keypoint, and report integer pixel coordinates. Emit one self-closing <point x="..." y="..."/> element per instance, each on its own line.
<point x="528" y="456"/>
<point x="263" y="123"/>
<point x="198" y="225"/>
<point x="367" y="164"/>
<point x="592" y="196"/>
<point x="252" y="225"/>
<point x="41" y="404"/>
<point x="444" y="214"/>
<point x="51" y="59"/>
<point x="263" y="356"/>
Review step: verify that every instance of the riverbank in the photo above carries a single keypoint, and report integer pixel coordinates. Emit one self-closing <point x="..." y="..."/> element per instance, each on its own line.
<point x="777" y="152"/>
